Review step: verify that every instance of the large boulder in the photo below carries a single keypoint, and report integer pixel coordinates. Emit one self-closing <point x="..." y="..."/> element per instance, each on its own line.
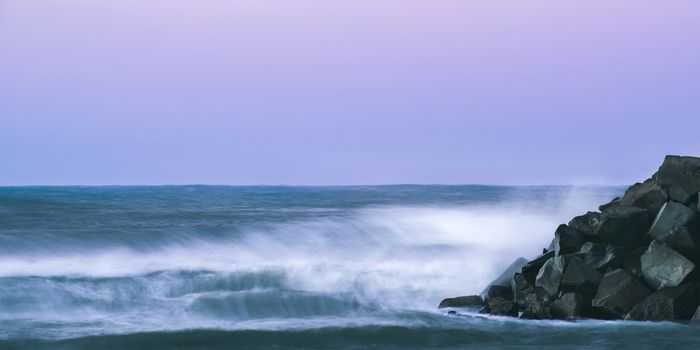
<point x="570" y="305"/>
<point x="532" y="268"/>
<point x="646" y="195"/>
<point x="523" y="290"/>
<point x="696" y="316"/>
<point x="597" y="255"/>
<point x="617" y="293"/>
<point x="549" y="277"/>
<point x="579" y="276"/>
<point x="500" y="306"/>
<point x="587" y="224"/>
<point x="537" y="309"/>
<point x="567" y="240"/>
<point x="664" y="267"/>
<point x="470" y="301"/>
<point x="682" y="241"/>
<point x="668" y="304"/>
<point x="671" y="216"/>
<point x="614" y="203"/>
<point x="496" y="291"/>
<point x="680" y="176"/>
<point x="623" y="226"/>
<point x="507" y="275"/>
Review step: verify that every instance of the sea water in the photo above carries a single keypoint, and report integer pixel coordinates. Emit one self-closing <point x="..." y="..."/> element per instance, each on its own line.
<point x="220" y="267"/>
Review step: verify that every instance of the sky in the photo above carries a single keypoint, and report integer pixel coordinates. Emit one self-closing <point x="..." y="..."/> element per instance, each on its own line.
<point x="346" y="92"/>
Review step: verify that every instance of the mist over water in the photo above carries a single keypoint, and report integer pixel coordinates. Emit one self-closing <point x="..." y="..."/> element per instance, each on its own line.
<point x="118" y="261"/>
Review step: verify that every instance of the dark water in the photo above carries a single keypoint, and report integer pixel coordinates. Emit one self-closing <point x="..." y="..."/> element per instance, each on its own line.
<point x="208" y="267"/>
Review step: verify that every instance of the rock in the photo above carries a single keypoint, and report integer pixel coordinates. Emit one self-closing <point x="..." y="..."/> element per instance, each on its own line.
<point x="579" y="276"/>
<point x="537" y="310"/>
<point x="672" y="216"/>
<point x="646" y="195"/>
<point x="531" y="269"/>
<point x="507" y="275"/>
<point x="614" y="203"/>
<point x="523" y="291"/>
<point x="500" y="306"/>
<point x="548" y="279"/>
<point x="587" y="224"/>
<point x="497" y="291"/>
<point x="680" y="176"/>
<point x="664" y="267"/>
<point x="623" y="226"/>
<point x="696" y="316"/>
<point x="570" y="306"/>
<point x="681" y="241"/>
<point x="597" y="255"/>
<point x="629" y="259"/>
<point x="567" y="240"/>
<point x="465" y="301"/>
<point x="617" y="293"/>
<point x="668" y="304"/>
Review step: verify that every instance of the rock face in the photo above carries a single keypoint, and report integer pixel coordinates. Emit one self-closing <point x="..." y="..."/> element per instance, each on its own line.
<point x="466" y="301"/>
<point x="635" y="259"/>
<point x="664" y="267"/>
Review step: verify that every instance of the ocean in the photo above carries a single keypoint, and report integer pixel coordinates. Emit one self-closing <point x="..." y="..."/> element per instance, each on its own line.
<point x="275" y="267"/>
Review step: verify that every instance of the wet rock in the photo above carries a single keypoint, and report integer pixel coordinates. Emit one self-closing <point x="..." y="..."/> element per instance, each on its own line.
<point x="548" y="279"/>
<point x="629" y="259"/>
<point x="681" y="241"/>
<point x="523" y="291"/>
<point x="664" y="267"/>
<point x="672" y="216"/>
<point x="507" y="275"/>
<point x="680" y="176"/>
<point x="501" y="307"/>
<point x="646" y="195"/>
<point x="668" y="304"/>
<point x="623" y="226"/>
<point x="567" y="240"/>
<point x="597" y="255"/>
<point x="617" y="293"/>
<point x="465" y="301"/>
<point x="587" y="224"/>
<point x="570" y="306"/>
<point x="579" y="276"/>
<point x="537" y="310"/>
<point x="614" y="203"/>
<point x="696" y="316"/>
<point x="497" y="291"/>
<point x="531" y="269"/>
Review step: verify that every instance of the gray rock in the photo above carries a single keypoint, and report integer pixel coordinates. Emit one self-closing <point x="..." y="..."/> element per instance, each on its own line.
<point x="597" y="255"/>
<point x="623" y="226"/>
<point x="507" y="275"/>
<point x="548" y="279"/>
<point x="696" y="316"/>
<point x="681" y="241"/>
<point x="672" y="216"/>
<point x="617" y="293"/>
<point x="500" y="306"/>
<point x="587" y="224"/>
<point x="629" y="259"/>
<point x="570" y="306"/>
<point x="579" y="276"/>
<point x="664" y="267"/>
<point x="680" y="177"/>
<point x="523" y="291"/>
<point x="537" y="310"/>
<point x="567" y="240"/>
<point x="646" y="195"/>
<point x="614" y="203"/>
<point x="532" y="268"/>
<point x="669" y="304"/>
<point x="465" y="301"/>
<point x="497" y="291"/>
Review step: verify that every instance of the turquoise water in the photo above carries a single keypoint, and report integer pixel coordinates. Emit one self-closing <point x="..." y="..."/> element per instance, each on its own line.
<point x="216" y="267"/>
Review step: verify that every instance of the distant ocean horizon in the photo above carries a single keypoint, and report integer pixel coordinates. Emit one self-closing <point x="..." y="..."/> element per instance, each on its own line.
<point x="220" y="267"/>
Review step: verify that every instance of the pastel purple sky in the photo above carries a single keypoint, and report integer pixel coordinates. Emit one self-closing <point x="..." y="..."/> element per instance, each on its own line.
<point x="346" y="92"/>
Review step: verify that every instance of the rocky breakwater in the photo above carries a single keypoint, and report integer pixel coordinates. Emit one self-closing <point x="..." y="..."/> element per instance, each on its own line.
<point x="635" y="259"/>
